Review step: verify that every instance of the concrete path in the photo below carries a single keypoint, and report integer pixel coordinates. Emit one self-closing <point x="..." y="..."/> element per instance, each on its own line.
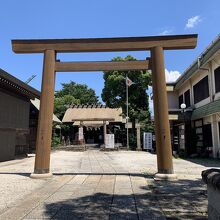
<point x="102" y="185"/>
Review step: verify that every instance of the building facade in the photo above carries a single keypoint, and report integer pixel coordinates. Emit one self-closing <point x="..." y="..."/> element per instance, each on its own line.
<point x="196" y="128"/>
<point x="15" y="104"/>
<point x="19" y="107"/>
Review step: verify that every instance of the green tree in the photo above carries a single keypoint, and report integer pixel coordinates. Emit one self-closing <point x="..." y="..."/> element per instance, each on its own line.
<point x="62" y="103"/>
<point x="114" y="92"/>
<point x="73" y="93"/>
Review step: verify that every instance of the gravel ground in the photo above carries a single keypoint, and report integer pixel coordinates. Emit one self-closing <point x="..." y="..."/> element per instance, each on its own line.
<point x="15" y="182"/>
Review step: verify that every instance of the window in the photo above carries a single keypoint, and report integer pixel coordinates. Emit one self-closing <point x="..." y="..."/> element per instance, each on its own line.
<point x="180" y="100"/>
<point x="198" y="124"/>
<point x="187" y="98"/>
<point x="207" y="135"/>
<point x="201" y="90"/>
<point x="217" y="79"/>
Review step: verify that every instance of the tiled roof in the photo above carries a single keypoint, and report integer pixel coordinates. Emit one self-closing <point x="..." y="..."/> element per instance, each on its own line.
<point x="92" y="114"/>
<point x="10" y="82"/>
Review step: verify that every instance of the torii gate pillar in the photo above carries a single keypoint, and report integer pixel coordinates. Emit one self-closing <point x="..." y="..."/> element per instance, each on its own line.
<point x="45" y="119"/>
<point x="162" y="127"/>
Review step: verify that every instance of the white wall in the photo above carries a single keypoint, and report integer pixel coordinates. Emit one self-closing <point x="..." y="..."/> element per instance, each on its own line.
<point x="214" y="119"/>
<point x="215" y="63"/>
<point x="207" y="69"/>
<point x="186" y="86"/>
<point x="215" y="135"/>
<point x="200" y="74"/>
<point x="173" y="102"/>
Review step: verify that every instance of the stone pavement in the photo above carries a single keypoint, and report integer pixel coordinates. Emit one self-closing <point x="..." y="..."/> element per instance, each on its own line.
<point x="102" y="185"/>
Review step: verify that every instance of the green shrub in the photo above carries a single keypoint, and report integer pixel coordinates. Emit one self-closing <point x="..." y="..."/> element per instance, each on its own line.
<point x="55" y="140"/>
<point x="132" y="141"/>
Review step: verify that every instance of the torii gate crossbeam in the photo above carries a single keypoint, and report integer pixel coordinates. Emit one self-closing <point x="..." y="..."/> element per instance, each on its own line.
<point x="156" y="45"/>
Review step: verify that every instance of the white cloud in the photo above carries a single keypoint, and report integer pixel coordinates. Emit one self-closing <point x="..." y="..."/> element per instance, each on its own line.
<point x="166" y="32"/>
<point x="193" y="21"/>
<point x="171" y="76"/>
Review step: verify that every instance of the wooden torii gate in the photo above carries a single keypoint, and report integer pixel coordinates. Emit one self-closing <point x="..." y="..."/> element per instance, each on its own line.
<point x="156" y="45"/>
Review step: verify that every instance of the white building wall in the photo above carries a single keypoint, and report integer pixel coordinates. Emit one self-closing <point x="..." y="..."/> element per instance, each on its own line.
<point x="215" y="63"/>
<point x="195" y="79"/>
<point x="215" y="136"/>
<point x="184" y="88"/>
<point x="172" y="99"/>
<point x="214" y="119"/>
<point x="207" y="120"/>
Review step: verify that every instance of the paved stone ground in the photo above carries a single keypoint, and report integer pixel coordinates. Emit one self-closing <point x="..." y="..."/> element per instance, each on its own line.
<point x="103" y="185"/>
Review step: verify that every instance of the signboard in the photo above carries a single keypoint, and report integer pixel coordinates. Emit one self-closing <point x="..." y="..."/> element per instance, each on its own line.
<point x="81" y="133"/>
<point x="147" y="141"/>
<point x="109" y="141"/>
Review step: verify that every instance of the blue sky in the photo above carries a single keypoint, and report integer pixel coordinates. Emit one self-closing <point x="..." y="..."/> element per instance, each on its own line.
<point x="25" y="19"/>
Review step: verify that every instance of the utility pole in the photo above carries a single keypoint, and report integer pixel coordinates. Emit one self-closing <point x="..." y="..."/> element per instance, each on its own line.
<point x="127" y="117"/>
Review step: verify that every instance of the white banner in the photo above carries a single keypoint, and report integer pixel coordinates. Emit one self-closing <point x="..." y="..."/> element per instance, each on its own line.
<point x="110" y="141"/>
<point x="81" y="133"/>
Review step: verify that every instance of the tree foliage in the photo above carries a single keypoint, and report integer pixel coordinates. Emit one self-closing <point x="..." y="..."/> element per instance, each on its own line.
<point x="114" y="92"/>
<point x="73" y="93"/>
<point x="61" y="104"/>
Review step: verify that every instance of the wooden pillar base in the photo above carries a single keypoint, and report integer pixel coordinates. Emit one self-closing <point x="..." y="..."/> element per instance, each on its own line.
<point x="166" y="171"/>
<point x="81" y="142"/>
<point x="41" y="175"/>
<point x="41" y="171"/>
<point x="165" y="177"/>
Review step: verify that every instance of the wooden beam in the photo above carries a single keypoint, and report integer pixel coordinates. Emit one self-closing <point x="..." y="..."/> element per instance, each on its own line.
<point x="102" y="66"/>
<point x="171" y="42"/>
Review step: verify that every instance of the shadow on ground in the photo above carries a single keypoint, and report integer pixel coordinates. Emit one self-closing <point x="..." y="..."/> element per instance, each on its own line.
<point x="106" y="206"/>
<point x="16" y="173"/>
<point x="206" y="162"/>
<point x="85" y="173"/>
<point x="181" y="199"/>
